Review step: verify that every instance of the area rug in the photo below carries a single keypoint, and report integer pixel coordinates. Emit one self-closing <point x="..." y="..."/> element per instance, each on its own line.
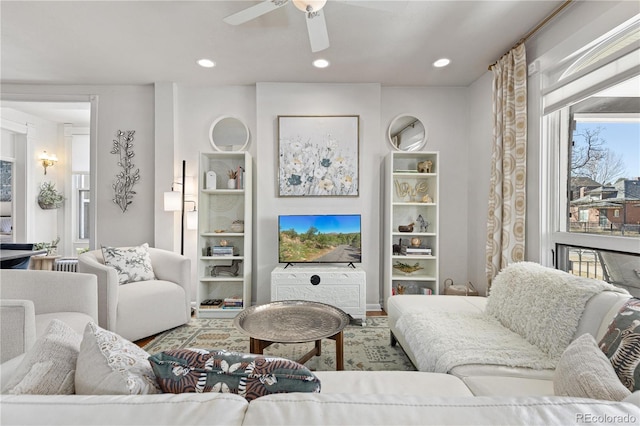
<point x="366" y="348"/>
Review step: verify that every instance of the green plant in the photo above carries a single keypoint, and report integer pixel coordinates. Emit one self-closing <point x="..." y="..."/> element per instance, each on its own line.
<point x="50" y="247"/>
<point x="49" y="196"/>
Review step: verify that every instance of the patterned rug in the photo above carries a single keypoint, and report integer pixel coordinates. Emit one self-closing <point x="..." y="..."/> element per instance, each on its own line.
<point x="365" y="348"/>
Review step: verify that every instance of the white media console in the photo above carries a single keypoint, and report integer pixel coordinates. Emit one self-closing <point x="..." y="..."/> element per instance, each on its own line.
<point x="344" y="287"/>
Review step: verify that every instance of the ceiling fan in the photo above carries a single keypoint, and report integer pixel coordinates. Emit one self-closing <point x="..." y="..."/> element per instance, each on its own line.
<point x="316" y="25"/>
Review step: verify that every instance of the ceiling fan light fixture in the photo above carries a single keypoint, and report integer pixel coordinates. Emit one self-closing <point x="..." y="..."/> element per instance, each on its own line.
<point x="321" y="63"/>
<point x="309" y="5"/>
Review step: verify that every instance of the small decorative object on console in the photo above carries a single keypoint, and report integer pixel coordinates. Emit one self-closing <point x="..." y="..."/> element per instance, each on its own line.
<point x="424" y="225"/>
<point x="425" y="166"/>
<point x="452" y="289"/>
<point x="226" y="269"/>
<point x="406" y="228"/>
<point x="406" y="268"/>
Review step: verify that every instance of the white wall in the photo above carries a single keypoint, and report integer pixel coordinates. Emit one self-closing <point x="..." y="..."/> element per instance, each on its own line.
<point x="197" y="108"/>
<point x="273" y="99"/>
<point x="119" y="108"/>
<point x="445" y="114"/>
<point x="479" y="151"/>
<point x="441" y="109"/>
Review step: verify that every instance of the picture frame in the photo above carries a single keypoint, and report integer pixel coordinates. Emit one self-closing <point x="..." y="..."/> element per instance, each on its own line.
<point x="318" y="156"/>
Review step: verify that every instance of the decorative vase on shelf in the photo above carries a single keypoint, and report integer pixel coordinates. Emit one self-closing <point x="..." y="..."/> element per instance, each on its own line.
<point x="231" y="184"/>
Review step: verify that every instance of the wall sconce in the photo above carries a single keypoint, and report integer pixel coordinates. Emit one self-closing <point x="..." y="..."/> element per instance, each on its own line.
<point x="47" y="160"/>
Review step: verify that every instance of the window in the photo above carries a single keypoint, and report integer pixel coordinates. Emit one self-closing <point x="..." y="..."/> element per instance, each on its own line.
<point x="584" y="215"/>
<point x="592" y="140"/>
<point x="81" y="190"/>
<point x="619" y="269"/>
<point x="604" y="163"/>
<point x="83" y="214"/>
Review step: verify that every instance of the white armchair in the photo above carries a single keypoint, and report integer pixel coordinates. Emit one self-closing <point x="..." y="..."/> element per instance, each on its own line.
<point x="31" y="299"/>
<point x="142" y="308"/>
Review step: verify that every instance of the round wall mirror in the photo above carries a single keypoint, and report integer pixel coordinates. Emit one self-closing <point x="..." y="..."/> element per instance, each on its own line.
<point x="407" y="133"/>
<point x="229" y="134"/>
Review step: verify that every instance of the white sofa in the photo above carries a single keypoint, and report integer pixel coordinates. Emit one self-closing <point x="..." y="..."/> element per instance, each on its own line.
<point x="29" y="300"/>
<point x="346" y="398"/>
<point x="445" y="313"/>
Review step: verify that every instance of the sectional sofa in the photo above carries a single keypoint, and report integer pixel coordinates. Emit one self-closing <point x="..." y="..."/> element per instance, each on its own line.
<point x="510" y="342"/>
<point x="346" y="398"/>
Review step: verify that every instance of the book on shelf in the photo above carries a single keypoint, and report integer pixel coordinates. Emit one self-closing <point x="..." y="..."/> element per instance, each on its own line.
<point x="211" y="304"/>
<point x="414" y="250"/>
<point x="232" y="302"/>
<point x="222" y="251"/>
<point x="240" y="177"/>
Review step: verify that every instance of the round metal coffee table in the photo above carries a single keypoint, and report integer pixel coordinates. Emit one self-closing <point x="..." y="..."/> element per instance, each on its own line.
<point x="294" y="321"/>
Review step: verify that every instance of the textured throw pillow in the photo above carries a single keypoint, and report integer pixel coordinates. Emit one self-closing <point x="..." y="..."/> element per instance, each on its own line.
<point x="621" y="344"/>
<point x="585" y="372"/>
<point x="48" y="368"/>
<point x="111" y="365"/>
<point x="248" y="375"/>
<point x="132" y="263"/>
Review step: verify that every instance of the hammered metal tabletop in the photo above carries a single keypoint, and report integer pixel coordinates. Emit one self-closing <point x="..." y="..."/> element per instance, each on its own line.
<point x="291" y="321"/>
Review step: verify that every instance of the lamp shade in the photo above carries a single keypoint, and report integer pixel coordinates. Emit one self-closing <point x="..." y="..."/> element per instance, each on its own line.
<point x="192" y="220"/>
<point x="172" y="201"/>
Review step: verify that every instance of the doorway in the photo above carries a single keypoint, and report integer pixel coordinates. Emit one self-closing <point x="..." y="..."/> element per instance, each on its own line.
<point x="60" y="128"/>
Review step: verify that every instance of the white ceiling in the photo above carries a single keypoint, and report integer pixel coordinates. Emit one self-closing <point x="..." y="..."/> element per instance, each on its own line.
<point x="392" y="43"/>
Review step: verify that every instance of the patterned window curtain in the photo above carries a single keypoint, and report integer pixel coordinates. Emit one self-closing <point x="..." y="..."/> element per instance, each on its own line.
<point x="507" y="201"/>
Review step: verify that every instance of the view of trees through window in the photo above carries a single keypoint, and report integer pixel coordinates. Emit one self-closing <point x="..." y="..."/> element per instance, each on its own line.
<point x="604" y="193"/>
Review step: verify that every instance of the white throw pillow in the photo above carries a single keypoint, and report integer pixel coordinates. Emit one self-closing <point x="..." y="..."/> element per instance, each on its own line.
<point x="584" y="371"/>
<point x="48" y="368"/>
<point x="132" y="263"/>
<point x="109" y="364"/>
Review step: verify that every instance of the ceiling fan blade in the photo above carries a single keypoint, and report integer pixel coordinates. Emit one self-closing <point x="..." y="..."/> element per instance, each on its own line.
<point x="253" y="12"/>
<point x="317" y="27"/>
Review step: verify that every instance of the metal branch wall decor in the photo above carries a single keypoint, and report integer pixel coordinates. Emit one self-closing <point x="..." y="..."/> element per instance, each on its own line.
<point x="123" y="186"/>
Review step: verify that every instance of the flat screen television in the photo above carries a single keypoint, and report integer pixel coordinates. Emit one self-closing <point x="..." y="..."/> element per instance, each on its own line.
<point x="330" y="238"/>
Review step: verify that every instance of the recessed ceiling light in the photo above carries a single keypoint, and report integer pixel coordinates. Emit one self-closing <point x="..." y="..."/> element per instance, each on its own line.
<point x="206" y="63"/>
<point x="441" y="63"/>
<point x="320" y="63"/>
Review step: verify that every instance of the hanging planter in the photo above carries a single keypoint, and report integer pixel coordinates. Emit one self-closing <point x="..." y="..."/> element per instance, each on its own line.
<point x="48" y="197"/>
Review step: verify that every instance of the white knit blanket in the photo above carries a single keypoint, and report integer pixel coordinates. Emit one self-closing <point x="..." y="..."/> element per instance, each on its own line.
<point x="531" y="316"/>
<point x="443" y="340"/>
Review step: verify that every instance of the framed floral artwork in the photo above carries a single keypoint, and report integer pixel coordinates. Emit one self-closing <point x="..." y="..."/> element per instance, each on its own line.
<point x="318" y="155"/>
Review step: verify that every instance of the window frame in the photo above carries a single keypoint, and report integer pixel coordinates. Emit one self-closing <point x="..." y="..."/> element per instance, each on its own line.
<point x="554" y="158"/>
